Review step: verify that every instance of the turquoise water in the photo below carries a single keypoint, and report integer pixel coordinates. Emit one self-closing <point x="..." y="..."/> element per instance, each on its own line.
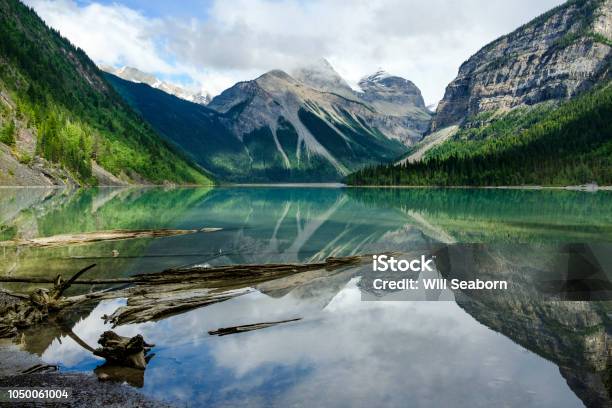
<point x="469" y="351"/>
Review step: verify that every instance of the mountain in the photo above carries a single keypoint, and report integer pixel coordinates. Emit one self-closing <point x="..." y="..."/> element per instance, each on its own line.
<point x="264" y="130"/>
<point x="318" y="128"/>
<point x="532" y="107"/>
<point x="194" y="128"/>
<point x="554" y="57"/>
<point x="401" y="112"/>
<point x="279" y="128"/>
<point x="391" y="94"/>
<point x="135" y="75"/>
<point x="62" y="123"/>
<point x="320" y="75"/>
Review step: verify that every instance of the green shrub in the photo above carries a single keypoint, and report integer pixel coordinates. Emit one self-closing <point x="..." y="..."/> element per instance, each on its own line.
<point x="8" y="132"/>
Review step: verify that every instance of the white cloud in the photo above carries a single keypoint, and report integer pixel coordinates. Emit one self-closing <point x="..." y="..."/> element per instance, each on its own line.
<point x="422" y="41"/>
<point x="112" y="35"/>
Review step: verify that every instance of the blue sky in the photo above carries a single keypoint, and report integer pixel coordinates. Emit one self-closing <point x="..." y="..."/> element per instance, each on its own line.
<point x="179" y="8"/>
<point x="209" y="45"/>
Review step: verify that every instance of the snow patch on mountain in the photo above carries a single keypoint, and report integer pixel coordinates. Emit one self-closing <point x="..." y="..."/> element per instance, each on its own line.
<point x="320" y="75"/>
<point x="135" y="75"/>
<point x="376" y="77"/>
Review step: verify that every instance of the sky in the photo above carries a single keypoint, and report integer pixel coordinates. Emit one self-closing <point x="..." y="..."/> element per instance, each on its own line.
<point x="209" y="45"/>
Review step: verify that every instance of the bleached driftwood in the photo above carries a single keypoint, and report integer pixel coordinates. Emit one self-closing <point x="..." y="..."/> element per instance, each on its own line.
<point x="158" y="302"/>
<point x="218" y="277"/>
<point x="99" y="236"/>
<point x="154" y="296"/>
<point x="163" y="294"/>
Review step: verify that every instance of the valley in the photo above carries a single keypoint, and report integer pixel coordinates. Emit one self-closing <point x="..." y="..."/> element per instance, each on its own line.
<point x="540" y="93"/>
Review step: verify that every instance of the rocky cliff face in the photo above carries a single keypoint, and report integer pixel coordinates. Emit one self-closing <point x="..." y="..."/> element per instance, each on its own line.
<point x="316" y="121"/>
<point x="400" y="111"/>
<point x="391" y="94"/>
<point x="556" y="56"/>
<point x="305" y="127"/>
<point x="399" y="103"/>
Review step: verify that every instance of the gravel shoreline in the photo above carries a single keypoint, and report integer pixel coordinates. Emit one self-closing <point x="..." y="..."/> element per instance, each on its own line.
<point x="87" y="390"/>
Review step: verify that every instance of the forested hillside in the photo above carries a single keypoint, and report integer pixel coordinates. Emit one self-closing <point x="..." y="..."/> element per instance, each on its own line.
<point x="548" y="144"/>
<point x="55" y="99"/>
<point x="272" y="129"/>
<point x="532" y="107"/>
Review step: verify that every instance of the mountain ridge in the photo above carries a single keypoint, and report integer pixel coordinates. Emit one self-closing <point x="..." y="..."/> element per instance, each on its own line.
<point x="135" y="75"/>
<point x="62" y="123"/>
<point x="280" y="129"/>
<point x="530" y="108"/>
<point x="321" y="75"/>
<point x="556" y="56"/>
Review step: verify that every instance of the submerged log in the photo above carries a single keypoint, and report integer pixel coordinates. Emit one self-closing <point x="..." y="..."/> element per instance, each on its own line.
<point x="224" y="331"/>
<point x="120" y="374"/>
<point x="99" y="236"/>
<point x="123" y="351"/>
<point x="238" y="275"/>
<point x="218" y="277"/>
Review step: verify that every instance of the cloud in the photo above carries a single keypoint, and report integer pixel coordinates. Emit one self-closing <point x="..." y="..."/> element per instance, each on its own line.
<point x="114" y="35"/>
<point x="351" y="353"/>
<point x="239" y="40"/>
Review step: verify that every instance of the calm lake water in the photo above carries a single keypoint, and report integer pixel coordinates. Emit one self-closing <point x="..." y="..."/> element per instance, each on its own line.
<point x="516" y="349"/>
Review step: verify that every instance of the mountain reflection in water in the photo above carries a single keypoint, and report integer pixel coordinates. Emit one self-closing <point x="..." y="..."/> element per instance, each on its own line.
<point x="344" y="351"/>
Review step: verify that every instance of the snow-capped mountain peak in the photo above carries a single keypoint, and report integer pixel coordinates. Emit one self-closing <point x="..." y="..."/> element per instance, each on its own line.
<point x="382" y="88"/>
<point x="320" y="75"/>
<point x="378" y="76"/>
<point x="135" y="75"/>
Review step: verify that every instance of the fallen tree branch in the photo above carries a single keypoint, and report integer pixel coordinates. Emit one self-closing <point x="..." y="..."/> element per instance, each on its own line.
<point x="60" y="286"/>
<point x="224" y="331"/>
<point x="78" y="340"/>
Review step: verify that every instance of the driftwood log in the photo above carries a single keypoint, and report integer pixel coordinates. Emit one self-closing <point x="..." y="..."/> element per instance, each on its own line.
<point x="224" y="331"/>
<point x="124" y="351"/>
<point x="221" y="276"/>
<point x="18" y="311"/>
<point x="160" y="295"/>
<point x="99" y="236"/>
<point x="155" y="296"/>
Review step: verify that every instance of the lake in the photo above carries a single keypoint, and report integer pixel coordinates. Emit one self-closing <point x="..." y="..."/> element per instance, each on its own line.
<point x="536" y="344"/>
